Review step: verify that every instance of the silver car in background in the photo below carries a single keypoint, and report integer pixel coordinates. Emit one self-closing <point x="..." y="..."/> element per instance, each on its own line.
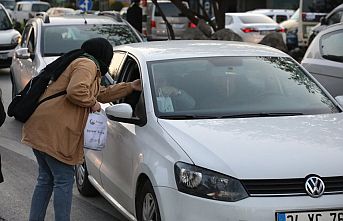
<point x="324" y="59"/>
<point x="252" y="27"/>
<point x="156" y="28"/>
<point x="46" y="38"/>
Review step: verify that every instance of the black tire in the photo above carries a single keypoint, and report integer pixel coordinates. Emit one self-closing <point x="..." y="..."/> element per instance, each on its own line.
<point x="146" y="200"/>
<point x="83" y="184"/>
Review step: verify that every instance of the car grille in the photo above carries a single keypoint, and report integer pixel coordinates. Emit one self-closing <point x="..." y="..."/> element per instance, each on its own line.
<point x="287" y="187"/>
<point x="7" y="46"/>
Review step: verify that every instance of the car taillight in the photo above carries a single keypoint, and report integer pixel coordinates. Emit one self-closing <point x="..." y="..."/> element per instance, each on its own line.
<point x="248" y="30"/>
<point x="153" y="23"/>
<point x="281" y="30"/>
<point x="191" y="25"/>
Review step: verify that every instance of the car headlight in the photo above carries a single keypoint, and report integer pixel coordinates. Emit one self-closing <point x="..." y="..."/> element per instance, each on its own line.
<point x="208" y="184"/>
<point x="15" y="39"/>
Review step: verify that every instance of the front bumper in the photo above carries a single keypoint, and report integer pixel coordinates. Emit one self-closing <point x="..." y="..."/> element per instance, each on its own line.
<point x="175" y="205"/>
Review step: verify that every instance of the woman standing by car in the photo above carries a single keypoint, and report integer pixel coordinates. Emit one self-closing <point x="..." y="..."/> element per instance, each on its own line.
<point x="55" y="129"/>
<point x="2" y="120"/>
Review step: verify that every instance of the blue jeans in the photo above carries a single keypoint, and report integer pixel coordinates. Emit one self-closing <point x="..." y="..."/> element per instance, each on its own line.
<point x="53" y="176"/>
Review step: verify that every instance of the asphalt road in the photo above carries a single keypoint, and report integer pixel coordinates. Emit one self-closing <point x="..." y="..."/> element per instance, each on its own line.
<point x="20" y="172"/>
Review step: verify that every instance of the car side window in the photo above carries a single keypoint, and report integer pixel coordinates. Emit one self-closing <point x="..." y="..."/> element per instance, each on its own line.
<point x="228" y="20"/>
<point x="116" y="64"/>
<point x="335" y="18"/>
<point x="131" y="71"/>
<point x="331" y="46"/>
<point x="25" y="37"/>
<point x="31" y="41"/>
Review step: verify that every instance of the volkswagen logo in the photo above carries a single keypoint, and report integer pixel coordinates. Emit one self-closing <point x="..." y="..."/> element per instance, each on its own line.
<point x="314" y="186"/>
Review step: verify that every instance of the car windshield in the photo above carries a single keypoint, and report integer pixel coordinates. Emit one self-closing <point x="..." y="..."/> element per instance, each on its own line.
<point x="218" y="87"/>
<point x="251" y="19"/>
<point x="8" y="4"/>
<point x="61" y="39"/>
<point x="169" y="10"/>
<point x="5" y="22"/>
<point x="295" y="16"/>
<point x="40" y="7"/>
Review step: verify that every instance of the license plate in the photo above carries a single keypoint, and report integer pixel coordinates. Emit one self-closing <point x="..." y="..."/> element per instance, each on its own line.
<point x="329" y="215"/>
<point x="178" y="25"/>
<point x="264" y="32"/>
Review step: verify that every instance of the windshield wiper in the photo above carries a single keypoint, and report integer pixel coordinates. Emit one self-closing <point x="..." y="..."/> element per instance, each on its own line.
<point x="333" y="57"/>
<point x="188" y="116"/>
<point x="262" y="114"/>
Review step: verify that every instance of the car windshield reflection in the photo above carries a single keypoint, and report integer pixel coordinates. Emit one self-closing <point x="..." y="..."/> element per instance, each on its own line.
<point x="231" y="87"/>
<point x="61" y="39"/>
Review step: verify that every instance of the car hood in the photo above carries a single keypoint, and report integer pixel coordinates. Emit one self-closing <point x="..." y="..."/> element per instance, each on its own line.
<point x="7" y="35"/>
<point x="263" y="148"/>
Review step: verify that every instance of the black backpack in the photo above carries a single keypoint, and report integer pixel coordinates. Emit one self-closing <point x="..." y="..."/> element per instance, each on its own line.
<point x="25" y="103"/>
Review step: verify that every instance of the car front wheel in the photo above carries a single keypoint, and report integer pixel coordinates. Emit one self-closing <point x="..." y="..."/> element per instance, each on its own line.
<point x="82" y="182"/>
<point x="147" y="206"/>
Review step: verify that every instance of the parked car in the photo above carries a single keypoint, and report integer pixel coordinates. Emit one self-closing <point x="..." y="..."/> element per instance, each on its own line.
<point x="24" y="10"/>
<point x="252" y="27"/>
<point x="45" y="38"/>
<point x="324" y="58"/>
<point x="335" y="16"/>
<point x="156" y="28"/>
<point x="278" y="15"/>
<point x="9" y="38"/>
<point x="60" y="11"/>
<point x="221" y="131"/>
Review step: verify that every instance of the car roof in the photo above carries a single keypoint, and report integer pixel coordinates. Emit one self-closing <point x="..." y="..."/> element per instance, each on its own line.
<point x="271" y="11"/>
<point x="172" y="49"/>
<point x="79" y="19"/>
<point x="31" y="2"/>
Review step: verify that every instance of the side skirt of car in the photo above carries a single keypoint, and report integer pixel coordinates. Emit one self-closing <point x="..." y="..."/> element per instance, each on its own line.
<point x="114" y="203"/>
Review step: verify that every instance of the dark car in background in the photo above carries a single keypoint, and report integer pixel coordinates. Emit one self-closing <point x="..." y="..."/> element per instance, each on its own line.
<point x="46" y="38"/>
<point x="324" y="59"/>
<point x="335" y="16"/>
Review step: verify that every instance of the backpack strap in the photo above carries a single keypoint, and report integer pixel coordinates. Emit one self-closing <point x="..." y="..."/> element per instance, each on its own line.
<point x="53" y="96"/>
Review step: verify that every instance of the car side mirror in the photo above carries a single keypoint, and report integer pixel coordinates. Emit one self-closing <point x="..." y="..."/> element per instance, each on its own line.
<point x="339" y="99"/>
<point x="323" y="21"/>
<point x="122" y="113"/>
<point x="22" y="53"/>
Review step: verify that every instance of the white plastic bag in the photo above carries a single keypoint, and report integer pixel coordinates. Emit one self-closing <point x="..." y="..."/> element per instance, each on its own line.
<point x="95" y="132"/>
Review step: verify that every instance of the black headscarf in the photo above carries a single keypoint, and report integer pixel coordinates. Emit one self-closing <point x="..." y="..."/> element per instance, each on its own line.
<point x="99" y="48"/>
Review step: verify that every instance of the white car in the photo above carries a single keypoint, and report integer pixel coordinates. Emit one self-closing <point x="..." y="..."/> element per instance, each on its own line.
<point x="252" y="27"/>
<point x="278" y="15"/>
<point x="324" y="58"/>
<point x="221" y="131"/>
<point x="9" y="38"/>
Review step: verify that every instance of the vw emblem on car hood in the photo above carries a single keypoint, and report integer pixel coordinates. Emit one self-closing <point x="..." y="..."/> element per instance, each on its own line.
<point x="314" y="186"/>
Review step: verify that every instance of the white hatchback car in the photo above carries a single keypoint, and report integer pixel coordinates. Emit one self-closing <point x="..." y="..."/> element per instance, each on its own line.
<point x="221" y="131"/>
<point x="252" y="27"/>
<point x="9" y="38"/>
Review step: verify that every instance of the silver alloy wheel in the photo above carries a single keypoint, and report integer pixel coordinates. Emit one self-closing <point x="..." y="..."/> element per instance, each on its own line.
<point x="149" y="208"/>
<point x="80" y="174"/>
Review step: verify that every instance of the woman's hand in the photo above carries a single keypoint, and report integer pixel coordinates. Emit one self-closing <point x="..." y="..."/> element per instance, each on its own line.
<point x="96" y="107"/>
<point x="136" y="85"/>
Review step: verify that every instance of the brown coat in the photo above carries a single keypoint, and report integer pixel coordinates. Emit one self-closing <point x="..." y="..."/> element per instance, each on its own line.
<point x="56" y="127"/>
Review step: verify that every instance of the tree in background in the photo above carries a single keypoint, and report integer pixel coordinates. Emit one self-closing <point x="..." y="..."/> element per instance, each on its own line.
<point x="219" y="8"/>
